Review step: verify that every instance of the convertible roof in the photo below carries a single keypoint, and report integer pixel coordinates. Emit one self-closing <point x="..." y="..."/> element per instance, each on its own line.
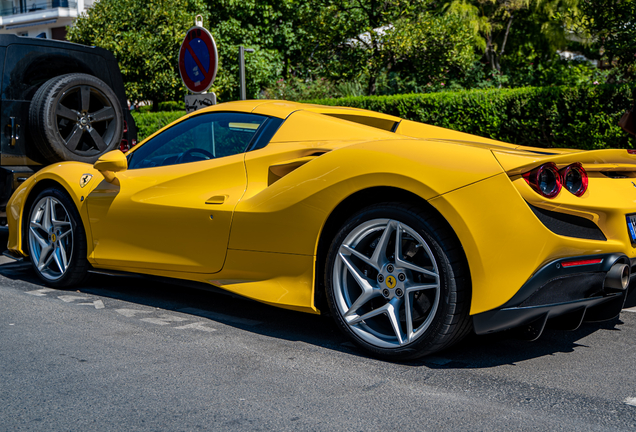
<point x="282" y="109"/>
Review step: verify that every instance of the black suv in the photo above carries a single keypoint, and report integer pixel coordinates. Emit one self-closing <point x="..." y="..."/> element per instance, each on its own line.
<point x="60" y="101"/>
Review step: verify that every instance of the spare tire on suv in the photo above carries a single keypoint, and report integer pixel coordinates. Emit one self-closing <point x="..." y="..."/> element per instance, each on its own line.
<point x="75" y="117"/>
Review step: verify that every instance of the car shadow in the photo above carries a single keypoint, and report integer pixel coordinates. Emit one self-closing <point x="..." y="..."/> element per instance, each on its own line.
<point x="473" y="352"/>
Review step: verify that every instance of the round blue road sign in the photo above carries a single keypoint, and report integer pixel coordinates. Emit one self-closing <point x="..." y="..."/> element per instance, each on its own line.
<point x="198" y="60"/>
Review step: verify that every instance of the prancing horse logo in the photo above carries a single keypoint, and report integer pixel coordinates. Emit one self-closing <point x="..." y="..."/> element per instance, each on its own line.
<point x="85" y="179"/>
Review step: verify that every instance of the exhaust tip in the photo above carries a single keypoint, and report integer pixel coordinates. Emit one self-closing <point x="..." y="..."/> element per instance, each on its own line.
<point x="618" y="277"/>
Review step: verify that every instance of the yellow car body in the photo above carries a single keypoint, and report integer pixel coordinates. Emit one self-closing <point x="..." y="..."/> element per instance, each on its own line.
<point x="259" y="223"/>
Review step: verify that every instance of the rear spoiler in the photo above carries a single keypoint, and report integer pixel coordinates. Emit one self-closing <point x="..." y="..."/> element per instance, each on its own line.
<point x="517" y="163"/>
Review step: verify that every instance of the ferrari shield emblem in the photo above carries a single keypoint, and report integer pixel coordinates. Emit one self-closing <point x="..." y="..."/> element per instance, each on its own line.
<point x="85" y="179"/>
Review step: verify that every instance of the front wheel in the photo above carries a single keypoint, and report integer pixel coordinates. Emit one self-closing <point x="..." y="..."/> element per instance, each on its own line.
<point x="57" y="240"/>
<point x="397" y="282"/>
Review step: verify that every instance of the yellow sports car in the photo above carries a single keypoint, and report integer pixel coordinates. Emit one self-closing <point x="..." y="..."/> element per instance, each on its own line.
<point x="410" y="235"/>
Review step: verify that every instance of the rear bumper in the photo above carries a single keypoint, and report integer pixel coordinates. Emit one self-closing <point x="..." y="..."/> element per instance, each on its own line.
<point x="565" y="295"/>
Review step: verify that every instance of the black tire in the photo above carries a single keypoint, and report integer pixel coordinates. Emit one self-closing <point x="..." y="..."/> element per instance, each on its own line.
<point x="75" y="117"/>
<point x="430" y="279"/>
<point x="59" y="245"/>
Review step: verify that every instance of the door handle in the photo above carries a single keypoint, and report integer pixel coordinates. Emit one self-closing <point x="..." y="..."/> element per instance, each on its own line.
<point x="217" y="199"/>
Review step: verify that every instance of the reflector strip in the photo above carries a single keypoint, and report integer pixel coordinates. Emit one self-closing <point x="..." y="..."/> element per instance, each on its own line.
<point x="582" y="262"/>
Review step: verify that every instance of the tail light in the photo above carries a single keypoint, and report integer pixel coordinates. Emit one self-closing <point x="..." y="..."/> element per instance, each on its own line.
<point x="582" y="262"/>
<point x="574" y="179"/>
<point x="545" y="180"/>
<point x="123" y="145"/>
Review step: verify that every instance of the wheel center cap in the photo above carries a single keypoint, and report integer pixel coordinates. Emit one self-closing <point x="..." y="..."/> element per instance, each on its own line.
<point x="84" y="121"/>
<point x="53" y="237"/>
<point x="391" y="282"/>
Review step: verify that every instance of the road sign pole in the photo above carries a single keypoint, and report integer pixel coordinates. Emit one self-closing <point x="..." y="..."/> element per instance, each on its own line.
<point x="242" y="72"/>
<point x="242" y="52"/>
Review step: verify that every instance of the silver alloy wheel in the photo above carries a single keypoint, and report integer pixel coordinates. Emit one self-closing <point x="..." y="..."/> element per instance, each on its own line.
<point x="50" y="238"/>
<point x="386" y="283"/>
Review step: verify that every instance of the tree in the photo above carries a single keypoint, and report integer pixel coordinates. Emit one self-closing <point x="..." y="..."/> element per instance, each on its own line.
<point x="267" y="26"/>
<point x="144" y="36"/>
<point x="347" y="37"/>
<point x="612" y="24"/>
<point x="383" y="41"/>
<point x="431" y="49"/>
<point x="540" y="24"/>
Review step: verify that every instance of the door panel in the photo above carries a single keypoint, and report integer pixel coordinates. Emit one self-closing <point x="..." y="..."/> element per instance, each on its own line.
<point x="158" y="218"/>
<point x="172" y="209"/>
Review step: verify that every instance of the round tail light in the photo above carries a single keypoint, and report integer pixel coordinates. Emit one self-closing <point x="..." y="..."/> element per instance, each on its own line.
<point x="574" y="179"/>
<point x="545" y="180"/>
<point x="123" y="145"/>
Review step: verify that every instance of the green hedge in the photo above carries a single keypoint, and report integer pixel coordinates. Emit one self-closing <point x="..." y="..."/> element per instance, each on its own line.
<point x="150" y="122"/>
<point x="573" y="117"/>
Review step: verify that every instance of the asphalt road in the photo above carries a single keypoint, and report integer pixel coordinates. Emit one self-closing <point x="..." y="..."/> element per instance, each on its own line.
<point x="126" y="354"/>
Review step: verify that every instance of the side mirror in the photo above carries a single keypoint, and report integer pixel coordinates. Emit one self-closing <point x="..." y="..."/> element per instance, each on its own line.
<point x="110" y="163"/>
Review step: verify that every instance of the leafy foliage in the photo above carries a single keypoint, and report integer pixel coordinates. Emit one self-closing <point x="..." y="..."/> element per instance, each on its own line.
<point x="150" y="122"/>
<point x="270" y="27"/>
<point x="613" y="25"/>
<point x="339" y="48"/>
<point x="572" y="117"/>
<point x="144" y="36"/>
<point x="376" y="44"/>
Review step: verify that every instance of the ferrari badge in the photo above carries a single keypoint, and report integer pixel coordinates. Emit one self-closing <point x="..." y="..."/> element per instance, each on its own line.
<point x="85" y="179"/>
<point x="391" y="282"/>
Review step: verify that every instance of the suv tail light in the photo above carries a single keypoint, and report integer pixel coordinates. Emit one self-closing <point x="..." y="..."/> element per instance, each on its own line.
<point x="123" y="145"/>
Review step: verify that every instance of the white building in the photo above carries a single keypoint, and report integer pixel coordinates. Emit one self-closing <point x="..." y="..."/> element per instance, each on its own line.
<point x="40" y="18"/>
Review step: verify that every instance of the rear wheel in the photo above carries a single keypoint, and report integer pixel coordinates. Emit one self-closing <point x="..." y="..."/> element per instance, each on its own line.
<point x="57" y="240"/>
<point x="397" y="282"/>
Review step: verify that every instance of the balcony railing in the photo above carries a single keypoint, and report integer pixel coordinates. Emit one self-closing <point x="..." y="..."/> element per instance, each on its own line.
<point x="36" y="6"/>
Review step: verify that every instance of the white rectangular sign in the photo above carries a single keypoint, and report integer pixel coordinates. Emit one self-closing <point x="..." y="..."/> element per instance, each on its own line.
<point x="198" y="101"/>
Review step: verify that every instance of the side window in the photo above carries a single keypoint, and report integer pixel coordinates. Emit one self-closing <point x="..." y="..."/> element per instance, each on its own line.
<point x="202" y="137"/>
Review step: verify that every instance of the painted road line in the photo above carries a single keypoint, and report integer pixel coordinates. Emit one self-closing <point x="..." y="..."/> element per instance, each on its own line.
<point x="130" y="312"/>
<point x="71" y="298"/>
<point x="197" y="326"/>
<point x="40" y="292"/>
<point x="631" y="309"/>
<point x="97" y="303"/>
<point x="630" y="401"/>
<point x="219" y="317"/>
<point x="164" y="319"/>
